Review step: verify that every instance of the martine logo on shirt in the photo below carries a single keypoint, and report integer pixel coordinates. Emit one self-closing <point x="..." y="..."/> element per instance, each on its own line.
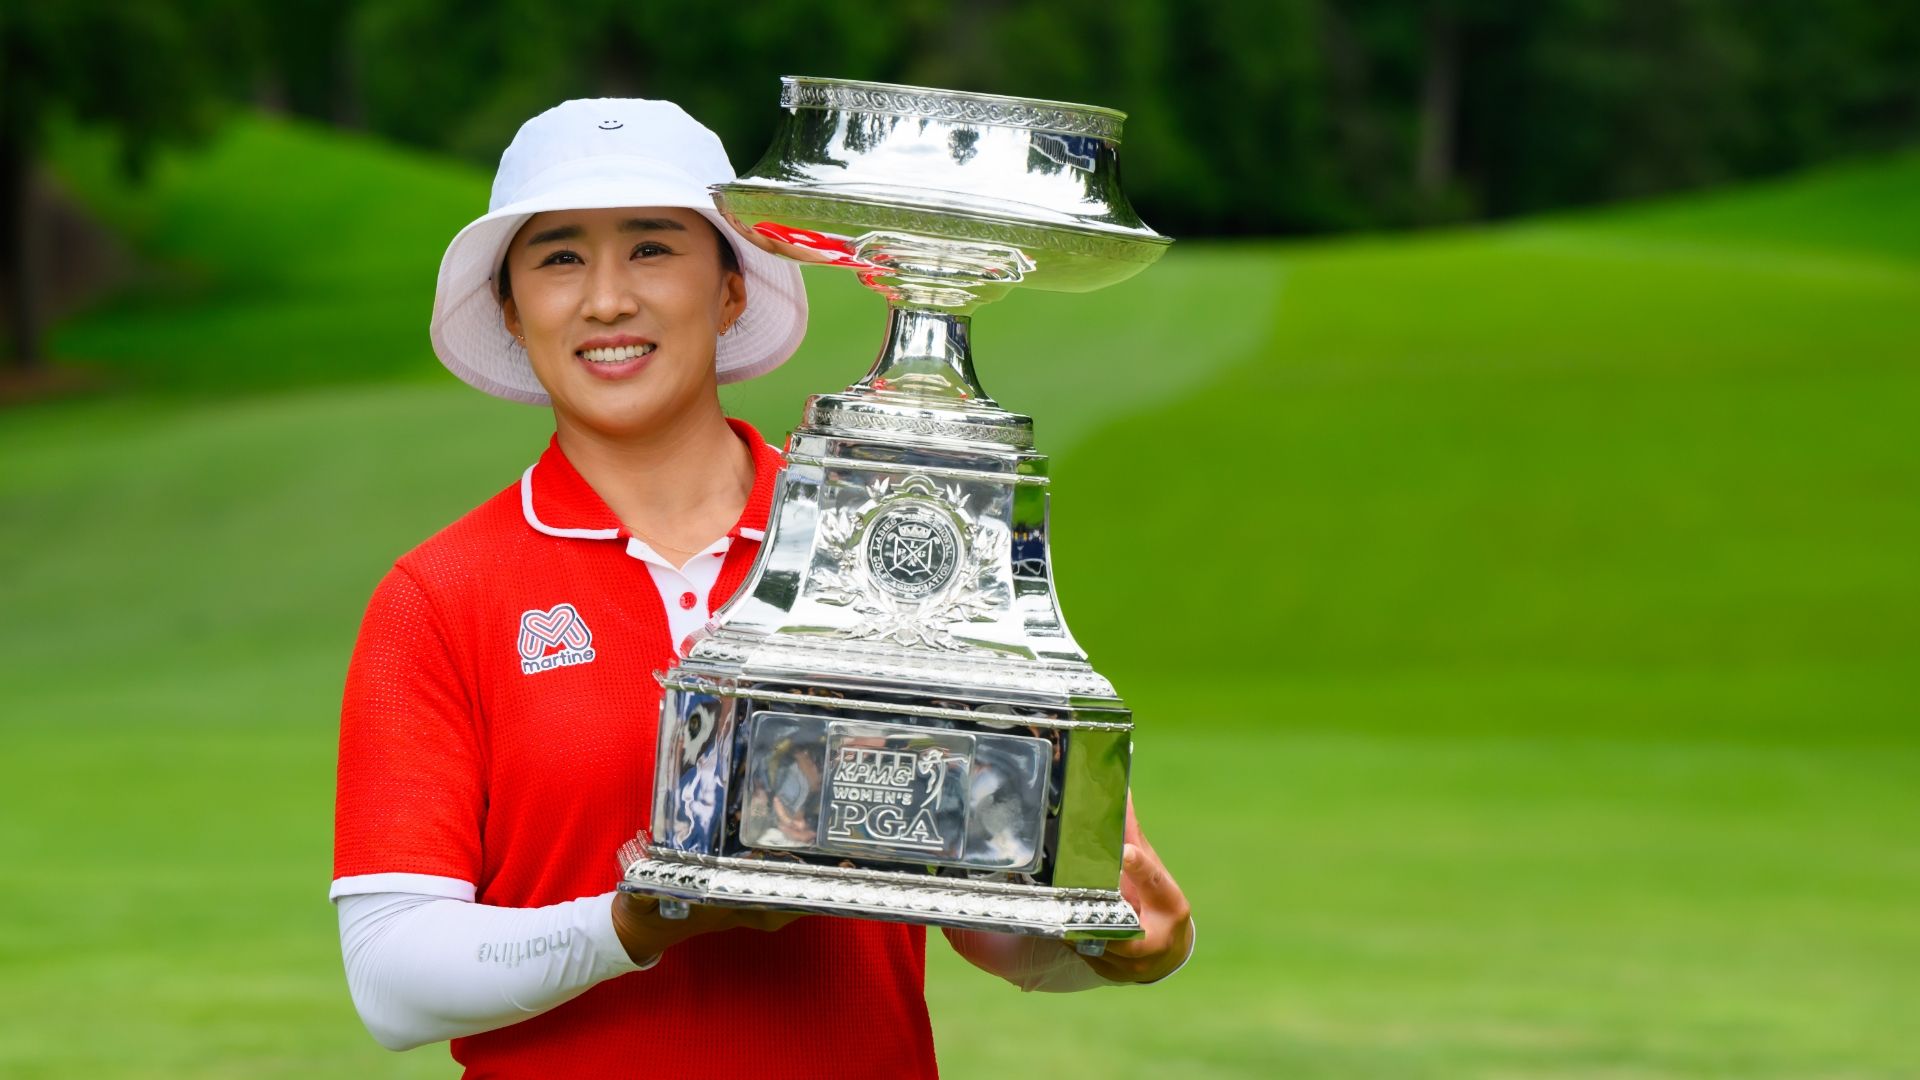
<point x="559" y="627"/>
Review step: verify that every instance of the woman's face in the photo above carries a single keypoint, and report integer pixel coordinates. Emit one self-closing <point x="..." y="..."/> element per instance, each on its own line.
<point x="619" y="311"/>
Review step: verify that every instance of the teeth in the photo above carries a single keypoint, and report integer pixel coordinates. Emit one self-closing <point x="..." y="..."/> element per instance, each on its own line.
<point x="617" y="355"/>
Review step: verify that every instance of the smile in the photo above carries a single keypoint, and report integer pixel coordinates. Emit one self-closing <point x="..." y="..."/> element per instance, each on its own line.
<point x="616" y="354"/>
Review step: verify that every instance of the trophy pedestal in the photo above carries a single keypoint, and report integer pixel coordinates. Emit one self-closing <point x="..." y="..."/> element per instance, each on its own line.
<point x="890" y="719"/>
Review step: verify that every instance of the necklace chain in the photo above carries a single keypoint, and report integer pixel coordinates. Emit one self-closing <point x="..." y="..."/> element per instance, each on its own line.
<point x="658" y="544"/>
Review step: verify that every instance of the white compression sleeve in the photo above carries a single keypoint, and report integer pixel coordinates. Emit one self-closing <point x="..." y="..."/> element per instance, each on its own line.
<point x="1034" y="963"/>
<point x="425" y="968"/>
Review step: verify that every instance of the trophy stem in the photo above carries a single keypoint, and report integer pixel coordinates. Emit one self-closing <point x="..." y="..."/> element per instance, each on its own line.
<point x="926" y="355"/>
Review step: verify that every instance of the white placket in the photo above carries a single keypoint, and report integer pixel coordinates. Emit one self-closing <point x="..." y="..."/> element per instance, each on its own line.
<point x="686" y="591"/>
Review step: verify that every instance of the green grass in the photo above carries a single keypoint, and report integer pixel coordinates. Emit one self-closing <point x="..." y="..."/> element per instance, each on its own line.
<point x="1519" y="624"/>
<point x="273" y="263"/>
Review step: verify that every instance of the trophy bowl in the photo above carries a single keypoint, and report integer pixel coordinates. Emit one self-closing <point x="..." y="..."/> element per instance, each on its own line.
<point x="890" y="719"/>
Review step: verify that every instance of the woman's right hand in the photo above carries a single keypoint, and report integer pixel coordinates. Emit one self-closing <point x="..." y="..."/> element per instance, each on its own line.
<point x="646" y="934"/>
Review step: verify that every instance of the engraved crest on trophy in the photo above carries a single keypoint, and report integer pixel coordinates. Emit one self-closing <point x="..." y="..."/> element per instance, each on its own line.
<point x="890" y="719"/>
<point x="911" y="562"/>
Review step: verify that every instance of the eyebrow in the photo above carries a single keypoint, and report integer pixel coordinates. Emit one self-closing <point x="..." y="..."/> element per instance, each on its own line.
<point x="574" y="232"/>
<point x="651" y="224"/>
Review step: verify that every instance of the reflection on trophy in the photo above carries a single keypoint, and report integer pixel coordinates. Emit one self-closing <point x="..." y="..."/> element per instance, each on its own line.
<point x="890" y="720"/>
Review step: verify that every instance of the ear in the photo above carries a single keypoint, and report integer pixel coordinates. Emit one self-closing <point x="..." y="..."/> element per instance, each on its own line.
<point x="733" y="296"/>
<point x="510" y="316"/>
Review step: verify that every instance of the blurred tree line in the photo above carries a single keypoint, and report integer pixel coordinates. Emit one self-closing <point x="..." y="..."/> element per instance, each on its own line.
<point x="1247" y="116"/>
<point x="152" y="73"/>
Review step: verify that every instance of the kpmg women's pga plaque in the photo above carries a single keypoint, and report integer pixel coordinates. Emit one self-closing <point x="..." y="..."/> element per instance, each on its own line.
<point x="890" y="719"/>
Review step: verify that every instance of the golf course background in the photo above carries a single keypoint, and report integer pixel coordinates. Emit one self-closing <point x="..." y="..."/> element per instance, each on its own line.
<point x="1521" y="625"/>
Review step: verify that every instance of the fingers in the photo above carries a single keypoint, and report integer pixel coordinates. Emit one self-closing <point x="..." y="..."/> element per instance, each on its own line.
<point x="764" y="920"/>
<point x="711" y="918"/>
<point x="1161" y="949"/>
<point x="641" y="927"/>
<point x="1133" y="833"/>
<point x="1164" y="916"/>
<point x="1129" y="887"/>
<point x="1152" y="883"/>
<point x="1146" y="959"/>
<point x="1145" y="885"/>
<point x="1138" y="960"/>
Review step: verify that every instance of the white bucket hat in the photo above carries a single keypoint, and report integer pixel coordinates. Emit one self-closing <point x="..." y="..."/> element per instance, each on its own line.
<point x="591" y="154"/>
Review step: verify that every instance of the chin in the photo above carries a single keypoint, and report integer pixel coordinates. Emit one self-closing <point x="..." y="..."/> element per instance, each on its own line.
<point x="635" y="405"/>
<point x="628" y="411"/>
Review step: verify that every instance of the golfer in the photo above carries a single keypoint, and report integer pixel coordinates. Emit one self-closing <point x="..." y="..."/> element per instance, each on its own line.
<point x="498" y="732"/>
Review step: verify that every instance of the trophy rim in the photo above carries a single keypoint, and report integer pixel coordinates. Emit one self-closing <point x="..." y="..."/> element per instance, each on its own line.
<point x="927" y="201"/>
<point x="1078" y="118"/>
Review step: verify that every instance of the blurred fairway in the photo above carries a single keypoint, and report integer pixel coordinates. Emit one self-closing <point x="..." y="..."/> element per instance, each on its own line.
<point x="1521" y="625"/>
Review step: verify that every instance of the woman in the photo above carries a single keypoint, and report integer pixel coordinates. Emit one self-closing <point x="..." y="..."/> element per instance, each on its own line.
<point x="497" y="735"/>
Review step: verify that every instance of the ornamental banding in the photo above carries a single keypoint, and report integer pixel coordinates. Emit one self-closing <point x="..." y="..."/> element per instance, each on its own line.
<point x="955" y="107"/>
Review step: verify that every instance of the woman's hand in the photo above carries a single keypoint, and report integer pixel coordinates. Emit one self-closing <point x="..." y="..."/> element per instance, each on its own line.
<point x="646" y="934"/>
<point x="1163" y="910"/>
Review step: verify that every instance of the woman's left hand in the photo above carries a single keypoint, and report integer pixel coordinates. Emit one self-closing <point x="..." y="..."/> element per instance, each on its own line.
<point x="1163" y="910"/>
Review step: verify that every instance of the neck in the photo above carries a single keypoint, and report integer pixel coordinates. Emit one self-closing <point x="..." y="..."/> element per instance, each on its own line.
<point x="679" y="486"/>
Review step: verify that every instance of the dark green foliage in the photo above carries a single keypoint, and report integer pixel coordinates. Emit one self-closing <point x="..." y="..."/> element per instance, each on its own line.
<point x="1598" y="101"/>
<point x="1247" y="116"/>
<point x="147" y="72"/>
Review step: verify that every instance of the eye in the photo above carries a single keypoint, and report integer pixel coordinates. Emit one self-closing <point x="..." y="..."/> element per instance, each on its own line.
<point x="559" y="257"/>
<point x="646" y="248"/>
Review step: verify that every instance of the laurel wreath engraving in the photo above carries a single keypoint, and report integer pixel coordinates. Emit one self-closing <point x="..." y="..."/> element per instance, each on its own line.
<point x="929" y="622"/>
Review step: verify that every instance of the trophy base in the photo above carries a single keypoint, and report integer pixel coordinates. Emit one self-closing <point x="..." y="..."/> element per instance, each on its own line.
<point x="1078" y="915"/>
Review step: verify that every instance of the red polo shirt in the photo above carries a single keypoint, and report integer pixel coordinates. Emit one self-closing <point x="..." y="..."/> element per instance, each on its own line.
<point x="499" y="729"/>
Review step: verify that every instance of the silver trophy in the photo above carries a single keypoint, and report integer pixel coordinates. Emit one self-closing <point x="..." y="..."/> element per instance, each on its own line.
<point x="890" y="719"/>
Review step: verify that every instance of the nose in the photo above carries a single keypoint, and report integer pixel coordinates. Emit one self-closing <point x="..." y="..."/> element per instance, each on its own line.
<point x="611" y="295"/>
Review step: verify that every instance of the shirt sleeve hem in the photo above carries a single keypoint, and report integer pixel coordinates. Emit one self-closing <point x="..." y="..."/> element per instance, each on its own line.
<point x="418" y="884"/>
